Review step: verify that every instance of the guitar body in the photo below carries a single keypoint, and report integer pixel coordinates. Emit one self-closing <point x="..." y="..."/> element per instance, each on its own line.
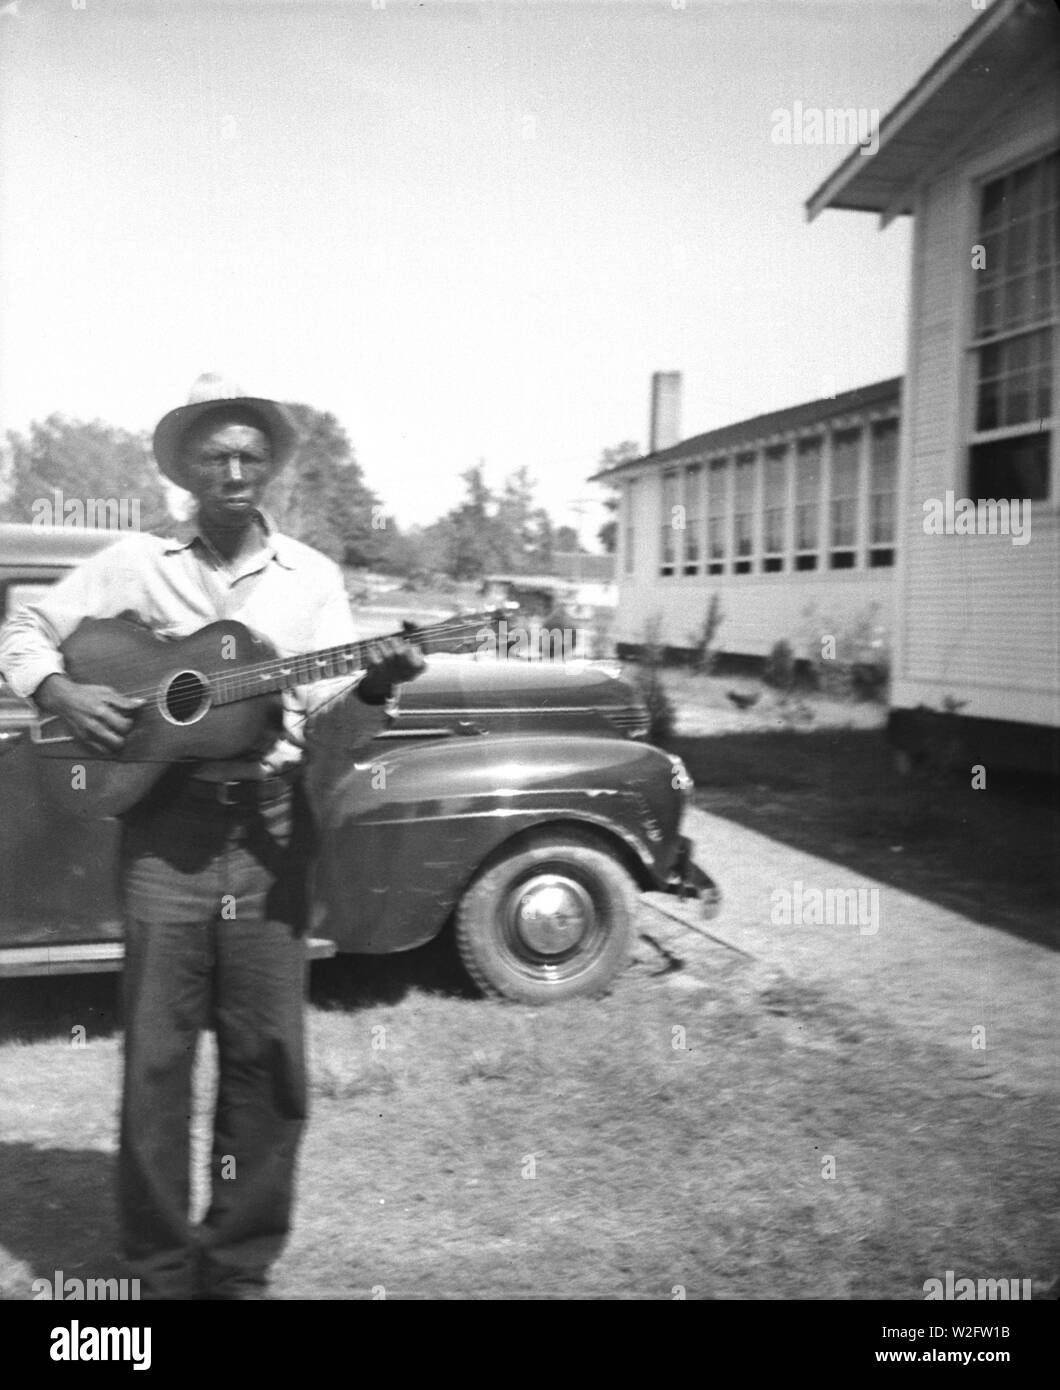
<point x="179" y="720"/>
<point x="215" y="694"/>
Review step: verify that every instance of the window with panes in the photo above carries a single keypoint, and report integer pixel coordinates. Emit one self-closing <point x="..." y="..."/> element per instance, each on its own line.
<point x="1013" y="342"/>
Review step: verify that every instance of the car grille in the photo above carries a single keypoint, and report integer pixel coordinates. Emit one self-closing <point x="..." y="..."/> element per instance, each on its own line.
<point x="632" y="720"/>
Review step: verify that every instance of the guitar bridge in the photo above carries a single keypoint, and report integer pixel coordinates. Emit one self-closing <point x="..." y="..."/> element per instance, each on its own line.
<point x="37" y="734"/>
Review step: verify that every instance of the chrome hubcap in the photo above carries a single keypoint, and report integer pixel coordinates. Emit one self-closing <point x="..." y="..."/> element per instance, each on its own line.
<point x="552" y="914"/>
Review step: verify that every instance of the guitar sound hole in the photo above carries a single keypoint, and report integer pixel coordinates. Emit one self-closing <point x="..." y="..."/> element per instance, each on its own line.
<point x="186" y="698"/>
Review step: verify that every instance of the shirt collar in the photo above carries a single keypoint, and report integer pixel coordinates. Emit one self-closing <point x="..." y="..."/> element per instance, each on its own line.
<point x="184" y="535"/>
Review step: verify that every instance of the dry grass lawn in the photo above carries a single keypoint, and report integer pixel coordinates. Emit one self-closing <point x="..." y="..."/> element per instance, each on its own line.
<point x="476" y="1150"/>
<point x="721" y="1130"/>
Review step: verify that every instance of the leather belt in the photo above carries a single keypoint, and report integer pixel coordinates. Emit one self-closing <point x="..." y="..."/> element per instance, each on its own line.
<point x="247" y="793"/>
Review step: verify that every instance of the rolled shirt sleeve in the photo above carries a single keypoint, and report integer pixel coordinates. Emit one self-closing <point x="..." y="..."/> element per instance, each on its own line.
<point x="328" y="718"/>
<point x="31" y="637"/>
<point x="298" y="602"/>
<point x="338" y="719"/>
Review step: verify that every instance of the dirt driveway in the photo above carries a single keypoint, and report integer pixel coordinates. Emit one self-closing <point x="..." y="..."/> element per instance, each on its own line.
<point x="990" y="997"/>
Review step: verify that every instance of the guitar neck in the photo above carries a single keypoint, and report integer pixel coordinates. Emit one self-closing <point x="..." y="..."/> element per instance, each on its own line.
<point x="281" y="673"/>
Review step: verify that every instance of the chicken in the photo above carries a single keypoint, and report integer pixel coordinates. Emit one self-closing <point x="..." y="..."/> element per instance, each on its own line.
<point x="744" y="699"/>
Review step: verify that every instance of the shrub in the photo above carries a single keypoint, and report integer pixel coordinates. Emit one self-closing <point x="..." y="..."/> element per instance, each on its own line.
<point x="651" y="647"/>
<point x="662" y="716"/>
<point x="648" y="681"/>
<point x="831" y="678"/>
<point x="600" y="641"/>
<point x="871" y="680"/>
<point x="779" y="670"/>
<point x="860" y="668"/>
<point x="702" y="640"/>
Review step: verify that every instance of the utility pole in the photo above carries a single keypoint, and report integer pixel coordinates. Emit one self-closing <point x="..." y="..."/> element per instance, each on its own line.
<point x="579" y="507"/>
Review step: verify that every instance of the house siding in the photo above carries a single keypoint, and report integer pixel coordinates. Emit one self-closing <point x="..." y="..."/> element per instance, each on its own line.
<point x="979" y="613"/>
<point x="758" y="608"/>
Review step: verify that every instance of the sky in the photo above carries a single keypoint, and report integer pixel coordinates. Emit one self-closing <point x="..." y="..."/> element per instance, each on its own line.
<point x="470" y="231"/>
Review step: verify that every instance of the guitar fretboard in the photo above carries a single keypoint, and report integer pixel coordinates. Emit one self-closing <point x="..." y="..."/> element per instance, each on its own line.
<point x="281" y="673"/>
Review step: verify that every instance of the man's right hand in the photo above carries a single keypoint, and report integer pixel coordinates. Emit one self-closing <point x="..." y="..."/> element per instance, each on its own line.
<point x="96" y="714"/>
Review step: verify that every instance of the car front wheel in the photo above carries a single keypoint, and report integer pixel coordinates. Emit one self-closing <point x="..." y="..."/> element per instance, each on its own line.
<point x="556" y="917"/>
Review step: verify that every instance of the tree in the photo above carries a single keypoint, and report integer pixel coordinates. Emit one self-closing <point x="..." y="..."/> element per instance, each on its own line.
<point x="486" y="532"/>
<point x="469" y="530"/>
<point x="567" y="540"/>
<point x="611" y="457"/>
<point x="615" y="454"/>
<point x="321" y="497"/>
<point x="515" y="521"/>
<point x="542" y="549"/>
<point x="400" y="552"/>
<point x="427" y="551"/>
<point x="68" y="468"/>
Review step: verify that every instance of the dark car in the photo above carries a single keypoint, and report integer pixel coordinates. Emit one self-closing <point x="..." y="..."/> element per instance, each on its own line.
<point x="517" y="799"/>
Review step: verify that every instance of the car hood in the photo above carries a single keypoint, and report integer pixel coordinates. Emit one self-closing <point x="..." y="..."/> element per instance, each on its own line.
<point x="472" y="694"/>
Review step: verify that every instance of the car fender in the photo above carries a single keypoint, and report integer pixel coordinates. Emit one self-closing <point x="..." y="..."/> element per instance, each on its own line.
<point x="403" y="832"/>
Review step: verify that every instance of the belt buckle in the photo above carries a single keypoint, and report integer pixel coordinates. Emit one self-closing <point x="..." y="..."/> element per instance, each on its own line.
<point x="223" y="796"/>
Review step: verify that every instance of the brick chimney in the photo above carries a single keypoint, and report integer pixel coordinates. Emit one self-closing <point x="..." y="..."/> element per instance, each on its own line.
<point x="665" y="424"/>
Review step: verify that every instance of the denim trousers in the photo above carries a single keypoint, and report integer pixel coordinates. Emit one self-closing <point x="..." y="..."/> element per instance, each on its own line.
<point x="214" y="914"/>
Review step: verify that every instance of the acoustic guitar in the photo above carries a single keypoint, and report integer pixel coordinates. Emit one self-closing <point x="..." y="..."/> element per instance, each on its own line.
<point x="215" y="694"/>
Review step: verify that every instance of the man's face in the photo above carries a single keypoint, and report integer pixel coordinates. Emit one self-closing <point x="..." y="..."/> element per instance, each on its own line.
<point x="228" y="463"/>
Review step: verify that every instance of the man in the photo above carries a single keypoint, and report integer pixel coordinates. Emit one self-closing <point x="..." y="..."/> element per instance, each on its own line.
<point x="213" y="860"/>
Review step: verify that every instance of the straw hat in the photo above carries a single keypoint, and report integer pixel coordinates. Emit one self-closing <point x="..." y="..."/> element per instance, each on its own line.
<point x="208" y="392"/>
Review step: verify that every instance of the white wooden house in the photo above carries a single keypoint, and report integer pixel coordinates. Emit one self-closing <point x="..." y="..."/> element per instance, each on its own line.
<point x="787" y="519"/>
<point x="972" y="153"/>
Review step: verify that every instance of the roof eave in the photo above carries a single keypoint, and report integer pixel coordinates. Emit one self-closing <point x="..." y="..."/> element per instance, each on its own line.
<point x="829" y="193"/>
<point x="785" y="421"/>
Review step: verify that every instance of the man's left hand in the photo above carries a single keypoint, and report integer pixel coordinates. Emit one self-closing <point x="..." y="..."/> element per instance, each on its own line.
<point x="391" y="661"/>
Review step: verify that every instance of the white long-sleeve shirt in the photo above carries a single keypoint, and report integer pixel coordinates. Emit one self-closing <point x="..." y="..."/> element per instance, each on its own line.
<point x="287" y="592"/>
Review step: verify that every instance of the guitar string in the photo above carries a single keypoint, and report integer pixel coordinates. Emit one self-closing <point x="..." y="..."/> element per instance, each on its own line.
<point x="277" y="665"/>
<point x="431" y="633"/>
<point x="293" y="735"/>
<point x="281" y="665"/>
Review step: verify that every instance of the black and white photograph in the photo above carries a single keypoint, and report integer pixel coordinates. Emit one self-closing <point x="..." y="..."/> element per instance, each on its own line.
<point x="530" y="664"/>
